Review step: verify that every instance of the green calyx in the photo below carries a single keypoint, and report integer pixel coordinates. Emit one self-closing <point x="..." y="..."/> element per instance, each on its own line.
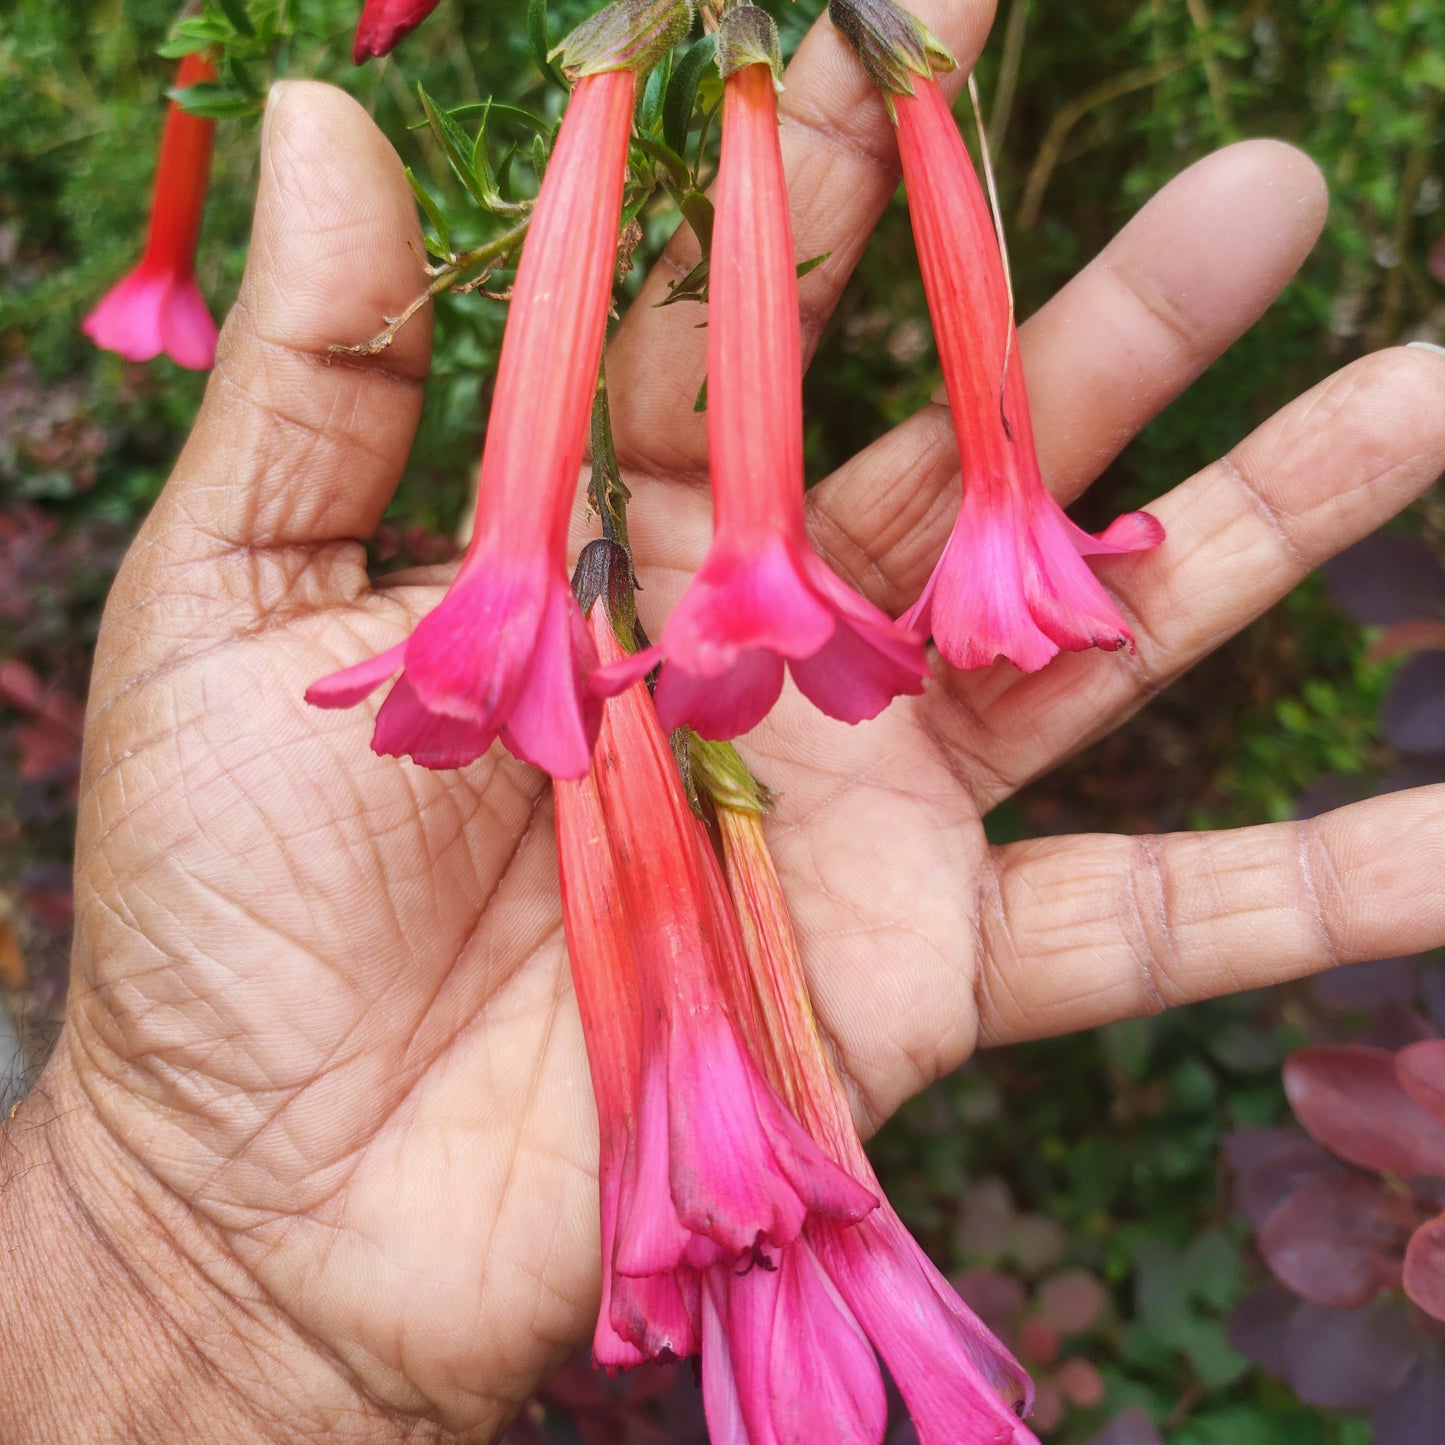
<point x="893" y="45"/>
<point x="717" y="772"/>
<point x="627" y="35"/>
<point x="747" y="35"/>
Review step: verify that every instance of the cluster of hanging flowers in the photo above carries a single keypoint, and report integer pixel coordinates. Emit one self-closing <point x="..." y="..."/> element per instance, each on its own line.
<point x="740" y="1219"/>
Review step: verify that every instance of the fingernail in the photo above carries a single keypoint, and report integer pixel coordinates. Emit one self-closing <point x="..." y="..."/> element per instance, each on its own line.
<point x="1428" y="346"/>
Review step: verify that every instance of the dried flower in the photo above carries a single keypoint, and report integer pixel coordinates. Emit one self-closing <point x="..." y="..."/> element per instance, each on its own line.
<point x="958" y="1381"/>
<point x="158" y="307"/>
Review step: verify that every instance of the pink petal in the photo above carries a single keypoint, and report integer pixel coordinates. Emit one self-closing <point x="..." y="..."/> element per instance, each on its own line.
<point x="974" y="605"/>
<point x="744" y="1172"/>
<point x="1132" y="532"/>
<point x="127" y="319"/>
<point x="804" y="1370"/>
<point x="958" y="1381"/>
<point x="650" y="1238"/>
<point x="187" y="330"/>
<point x="406" y="727"/>
<point x="744" y="602"/>
<point x="469" y="656"/>
<point x="720" y="707"/>
<point x="1067" y="602"/>
<point x="350" y="686"/>
<point x="721" y="1401"/>
<point x="555" y="718"/>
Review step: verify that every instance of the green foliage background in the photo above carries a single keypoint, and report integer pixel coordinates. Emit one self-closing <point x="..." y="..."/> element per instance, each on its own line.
<point x="1110" y="1139"/>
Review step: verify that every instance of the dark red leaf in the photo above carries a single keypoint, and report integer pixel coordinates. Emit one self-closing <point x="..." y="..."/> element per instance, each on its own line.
<point x="1258" y="1326"/>
<point x="1395" y="1026"/>
<point x="1412" y="1414"/>
<point x="1080" y="1383"/>
<point x="1421" y="1071"/>
<point x="1133" y="1427"/>
<point x="1412" y="715"/>
<point x="1338" y="1241"/>
<point x="1386" y="579"/>
<point x="995" y="1297"/>
<point x="1348" y="1097"/>
<point x="1425" y="1267"/>
<point x="1071" y="1300"/>
<point x="1350" y="1359"/>
<point x="1270" y="1164"/>
<point x="1364" y="985"/>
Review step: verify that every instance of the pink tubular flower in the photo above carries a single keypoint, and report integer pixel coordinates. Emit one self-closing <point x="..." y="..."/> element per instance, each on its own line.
<point x="506" y="652"/>
<point x="716" y="1171"/>
<point x="763" y="596"/>
<point x="159" y="307"/>
<point x="959" y="1382"/>
<point x="1011" y="581"/>
<point x="384" y="22"/>
<point x="656" y="1317"/>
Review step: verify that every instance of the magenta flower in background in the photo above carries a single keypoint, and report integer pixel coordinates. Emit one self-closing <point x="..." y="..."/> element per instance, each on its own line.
<point x="763" y="598"/>
<point x="506" y="652"/>
<point x="158" y="307"/>
<point x="1011" y="581"/>
<point x="384" y="22"/>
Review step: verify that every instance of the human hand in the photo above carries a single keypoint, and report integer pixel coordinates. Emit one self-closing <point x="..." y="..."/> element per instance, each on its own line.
<point x="322" y="1087"/>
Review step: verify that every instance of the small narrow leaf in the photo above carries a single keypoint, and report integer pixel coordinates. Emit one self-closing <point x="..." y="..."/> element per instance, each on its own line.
<point x="649" y="108"/>
<point x="681" y="96"/>
<point x="811" y="264"/>
<point x="537" y="39"/>
<point x="454" y="143"/>
<point x="235" y="12"/>
<point x="431" y="211"/>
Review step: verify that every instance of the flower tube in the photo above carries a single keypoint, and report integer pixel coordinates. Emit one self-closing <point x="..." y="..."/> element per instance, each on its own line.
<point x="158" y="307"/>
<point x="506" y="653"/>
<point x="763" y="598"/>
<point x="1012" y="581"/>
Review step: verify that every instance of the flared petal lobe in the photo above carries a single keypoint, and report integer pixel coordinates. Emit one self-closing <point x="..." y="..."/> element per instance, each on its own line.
<point x="763" y="600"/>
<point x="784" y="1362"/>
<point x="506" y="653"/>
<point x="158" y="308"/>
<point x="1011" y="581"/>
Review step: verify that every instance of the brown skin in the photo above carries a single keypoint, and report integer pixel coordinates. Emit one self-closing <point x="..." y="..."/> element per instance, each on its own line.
<point x="315" y="1157"/>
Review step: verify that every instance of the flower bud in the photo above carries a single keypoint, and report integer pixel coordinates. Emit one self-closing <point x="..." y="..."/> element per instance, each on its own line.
<point x="627" y="35"/>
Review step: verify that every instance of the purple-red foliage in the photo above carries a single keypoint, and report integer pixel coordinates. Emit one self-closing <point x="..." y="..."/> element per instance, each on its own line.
<point x="1349" y="1220"/>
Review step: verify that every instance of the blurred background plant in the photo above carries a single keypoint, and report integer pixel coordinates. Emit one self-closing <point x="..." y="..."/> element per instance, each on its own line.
<point x="1107" y="1227"/>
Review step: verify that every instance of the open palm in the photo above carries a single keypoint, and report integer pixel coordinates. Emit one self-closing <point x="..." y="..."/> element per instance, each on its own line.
<point x="322" y="997"/>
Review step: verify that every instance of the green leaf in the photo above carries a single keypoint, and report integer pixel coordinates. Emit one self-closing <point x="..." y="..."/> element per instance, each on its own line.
<point x="537" y="39"/>
<point x="811" y="264"/>
<point x="701" y="403"/>
<point x="431" y="211"/>
<point x="214" y="102"/>
<point x="649" y="108"/>
<point x="454" y="143"/>
<point x="682" y="92"/>
<point x="235" y="12"/>
<point x="496" y="108"/>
